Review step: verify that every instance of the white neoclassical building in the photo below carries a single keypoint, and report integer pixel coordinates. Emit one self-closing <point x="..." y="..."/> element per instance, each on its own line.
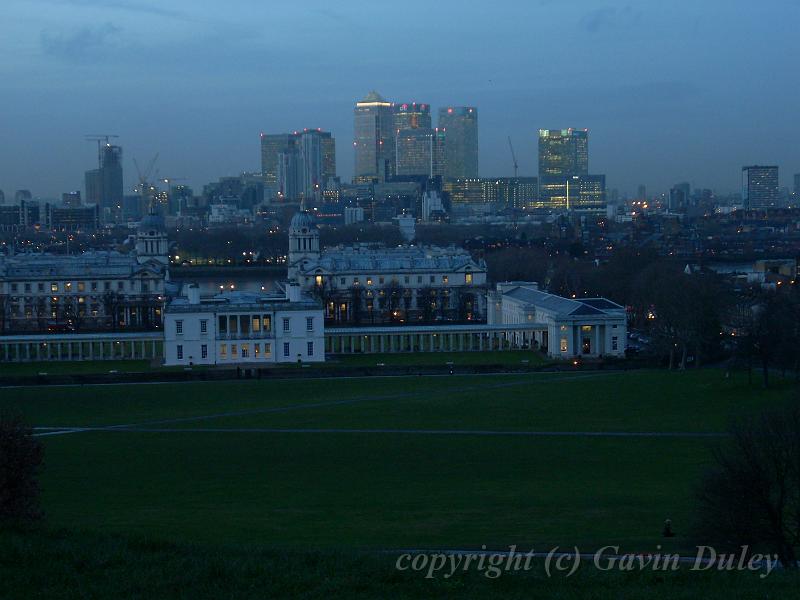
<point x="234" y="328"/>
<point x="589" y="327"/>
<point x="368" y="284"/>
<point x="91" y="291"/>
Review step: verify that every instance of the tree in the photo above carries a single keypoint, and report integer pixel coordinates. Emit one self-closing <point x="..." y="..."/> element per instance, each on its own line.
<point x="752" y="494"/>
<point x="4" y="304"/>
<point x="111" y="304"/>
<point x="355" y="303"/>
<point x="21" y="457"/>
<point x="767" y="328"/>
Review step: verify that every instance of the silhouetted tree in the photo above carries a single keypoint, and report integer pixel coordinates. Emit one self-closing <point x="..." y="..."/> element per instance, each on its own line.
<point x="21" y="457"/>
<point x="751" y="496"/>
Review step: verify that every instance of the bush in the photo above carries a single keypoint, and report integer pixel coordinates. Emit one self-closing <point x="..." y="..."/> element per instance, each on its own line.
<point x="751" y="497"/>
<point x="21" y="457"/>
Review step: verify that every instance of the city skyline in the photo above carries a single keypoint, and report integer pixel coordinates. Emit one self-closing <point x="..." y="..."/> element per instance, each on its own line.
<point x="656" y="117"/>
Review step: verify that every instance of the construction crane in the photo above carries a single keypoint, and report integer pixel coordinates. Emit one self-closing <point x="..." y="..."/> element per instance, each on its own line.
<point x="144" y="185"/>
<point x="100" y="138"/>
<point x="513" y="157"/>
<point x="170" y="180"/>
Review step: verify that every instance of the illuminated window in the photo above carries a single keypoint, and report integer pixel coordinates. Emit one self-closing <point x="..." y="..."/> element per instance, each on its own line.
<point x="266" y="323"/>
<point x="468" y="278"/>
<point x="318" y="279"/>
<point x="369" y="280"/>
<point x="223" y="350"/>
<point x="444" y="279"/>
<point x="81" y="286"/>
<point x="256" y="323"/>
<point x="564" y="345"/>
<point x="234" y="351"/>
<point x="256" y="350"/>
<point x="53" y="287"/>
<point x="245" y="350"/>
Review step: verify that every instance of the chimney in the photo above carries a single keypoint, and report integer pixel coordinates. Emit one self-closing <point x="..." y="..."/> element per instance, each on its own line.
<point x="293" y="292"/>
<point x="193" y="293"/>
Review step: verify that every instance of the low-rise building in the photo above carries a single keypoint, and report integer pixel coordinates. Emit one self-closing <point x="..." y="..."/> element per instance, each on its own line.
<point x="588" y="327"/>
<point x="235" y="328"/>
<point x="90" y="291"/>
<point x="376" y="284"/>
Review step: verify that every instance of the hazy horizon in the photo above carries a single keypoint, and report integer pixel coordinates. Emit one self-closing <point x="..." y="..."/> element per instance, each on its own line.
<point x="678" y="92"/>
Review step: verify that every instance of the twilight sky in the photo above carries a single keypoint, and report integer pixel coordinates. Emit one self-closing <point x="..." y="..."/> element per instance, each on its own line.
<point x="671" y="91"/>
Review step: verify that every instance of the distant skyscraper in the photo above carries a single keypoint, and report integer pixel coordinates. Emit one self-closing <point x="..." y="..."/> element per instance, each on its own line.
<point x="22" y="196"/>
<point x="411" y="115"/>
<point x="564" y="179"/>
<point x="104" y="185"/>
<point x="460" y="126"/>
<point x="317" y="155"/>
<point x="297" y="165"/>
<point x="373" y="127"/>
<point x="272" y="144"/>
<point x="760" y="187"/>
<point x="289" y="183"/>
<point x="678" y="200"/>
<point x="71" y="199"/>
<point x="641" y="193"/>
<point x="420" y="152"/>
<point x="563" y="152"/>
<point x="796" y="187"/>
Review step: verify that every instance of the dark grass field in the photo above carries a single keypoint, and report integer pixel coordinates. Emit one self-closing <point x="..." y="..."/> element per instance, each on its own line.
<point x="519" y="358"/>
<point x="350" y="468"/>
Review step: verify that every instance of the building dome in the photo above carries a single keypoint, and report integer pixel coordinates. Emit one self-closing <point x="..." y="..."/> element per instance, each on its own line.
<point x="152" y="223"/>
<point x="303" y="221"/>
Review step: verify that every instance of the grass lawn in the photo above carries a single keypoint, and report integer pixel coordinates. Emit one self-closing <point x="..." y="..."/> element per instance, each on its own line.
<point x="414" y="359"/>
<point x="82" y="367"/>
<point x="510" y="358"/>
<point x="184" y="468"/>
<point x="63" y="565"/>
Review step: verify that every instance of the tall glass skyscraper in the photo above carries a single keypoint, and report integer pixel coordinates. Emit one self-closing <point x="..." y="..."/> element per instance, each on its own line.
<point x="563" y="152"/>
<point x="420" y="152"/>
<point x="298" y="164"/>
<point x="272" y="145"/>
<point x="411" y="115"/>
<point x="373" y="128"/>
<point x="564" y="179"/>
<point x="460" y="126"/>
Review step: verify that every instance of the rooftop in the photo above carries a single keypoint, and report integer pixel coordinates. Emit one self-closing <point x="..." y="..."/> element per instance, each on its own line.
<point x="242" y="301"/>
<point x="565" y="306"/>
<point x="403" y="258"/>
<point x="85" y="265"/>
